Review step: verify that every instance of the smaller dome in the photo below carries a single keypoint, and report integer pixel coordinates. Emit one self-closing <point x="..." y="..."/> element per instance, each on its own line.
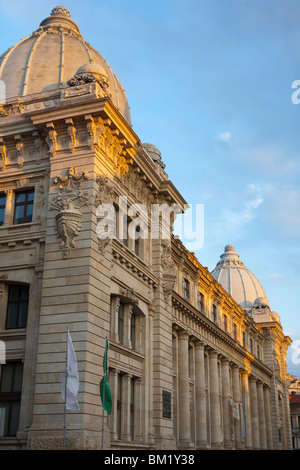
<point x="153" y="151"/>
<point x="261" y="302"/>
<point x="276" y="316"/>
<point x="93" y="68"/>
<point x="238" y="280"/>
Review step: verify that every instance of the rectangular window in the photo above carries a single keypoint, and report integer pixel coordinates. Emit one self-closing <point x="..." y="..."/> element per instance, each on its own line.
<point x="225" y="323"/>
<point x="137" y="241"/>
<point x="132" y="330"/>
<point x="2" y="207"/>
<point x="17" y="307"/>
<point x="121" y="322"/>
<point x="244" y="339"/>
<point x="10" y="395"/>
<point x="24" y="207"/>
<point x="186" y="289"/>
<point x="251" y="346"/>
<point x="201" y="302"/>
<point x="235" y="331"/>
<point x="214" y="313"/>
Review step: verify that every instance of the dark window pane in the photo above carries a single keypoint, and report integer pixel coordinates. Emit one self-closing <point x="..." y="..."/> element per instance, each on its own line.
<point x="20" y="197"/>
<point x="2" y="212"/>
<point x="18" y="377"/>
<point x="14" y="293"/>
<point x="19" y="214"/>
<point x="23" y="312"/>
<point x="24" y="207"/>
<point x="30" y="195"/>
<point x="24" y="292"/>
<point x="10" y="395"/>
<point x="17" y="307"/>
<point x="121" y="322"/>
<point x="14" y="418"/>
<point x="12" y="316"/>
<point x="7" y="378"/>
<point x="29" y="213"/>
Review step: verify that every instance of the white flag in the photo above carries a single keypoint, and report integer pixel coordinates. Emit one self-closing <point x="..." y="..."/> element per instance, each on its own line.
<point x="72" y="378"/>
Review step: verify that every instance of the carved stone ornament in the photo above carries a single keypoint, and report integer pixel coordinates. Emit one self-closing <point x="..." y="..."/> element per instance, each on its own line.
<point x="20" y="150"/>
<point x="83" y="78"/>
<point x="3" y="153"/>
<point x="130" y="295"/>
<point x="106" y="193"/>
<point x="169" y="270"/>
<point x="51" y="138"/>
<point x="69" y="202"/>
<point x="72" y="179"/>
<point x="9" y="110"/>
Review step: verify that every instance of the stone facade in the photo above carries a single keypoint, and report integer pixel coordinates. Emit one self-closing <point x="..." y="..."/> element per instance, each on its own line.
<point x="188" y="367"/>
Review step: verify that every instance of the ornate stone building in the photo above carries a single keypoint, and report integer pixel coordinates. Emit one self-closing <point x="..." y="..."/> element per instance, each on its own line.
<point x="189" y="367"/>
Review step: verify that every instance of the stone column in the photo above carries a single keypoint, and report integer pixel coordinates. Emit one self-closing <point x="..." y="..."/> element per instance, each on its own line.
<point x="148" y="387"/>
<point x="236" y="399"/>
<point x="127" y="325"/>
<point x="9" y="208"/>
<point x="261" y="416"/>
<point x="268" y="418"/>
<point x="215" y="415"/>
<point x="113" y="378"/>
<point x="138" y="410"/>
<point x="125" y="418"/>
<point x="226" y="405"/>
<point x="248" y="424"/>
<point x="114" y="318"/>
<point x="201" y="424"/>
<point x="254" y="414"/>
<point x="184" y="390"/>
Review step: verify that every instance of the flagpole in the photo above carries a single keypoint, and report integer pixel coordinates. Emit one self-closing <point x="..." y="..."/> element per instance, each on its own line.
<point x="65" y="407"/>
<point x="104" y="386"/>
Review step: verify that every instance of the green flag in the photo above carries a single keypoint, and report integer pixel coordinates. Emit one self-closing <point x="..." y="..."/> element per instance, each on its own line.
<point x="105" y="392"/>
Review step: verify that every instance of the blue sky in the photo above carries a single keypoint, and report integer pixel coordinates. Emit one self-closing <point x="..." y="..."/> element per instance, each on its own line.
<point x="210" y="84"/>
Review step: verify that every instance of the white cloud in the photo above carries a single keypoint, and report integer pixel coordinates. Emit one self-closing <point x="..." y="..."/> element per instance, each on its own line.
<point x="232" y="222"/>
<point x="224" y="136"/>
<point x="283" y="208"/>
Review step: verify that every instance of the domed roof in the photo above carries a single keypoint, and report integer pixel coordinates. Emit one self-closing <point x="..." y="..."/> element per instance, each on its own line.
<point x="238" y="280"/>
<point x="51" y="56"/>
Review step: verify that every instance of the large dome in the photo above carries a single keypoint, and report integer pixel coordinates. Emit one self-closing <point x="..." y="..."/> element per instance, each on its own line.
<point x="238" y="280"/>
<point x="51" y="56"/>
